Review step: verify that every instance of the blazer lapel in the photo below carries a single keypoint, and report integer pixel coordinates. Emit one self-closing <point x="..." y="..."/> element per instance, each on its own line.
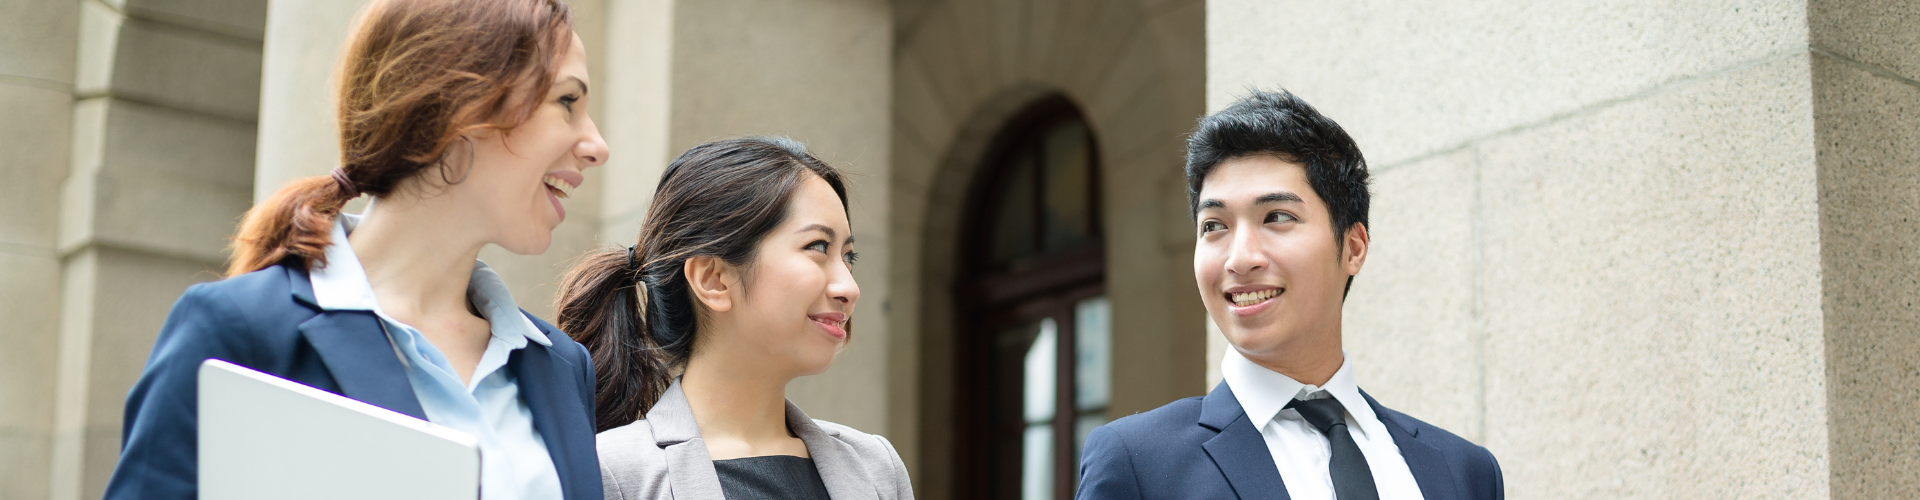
<point x="690" y="473"/>
<point x="840" y="468"/>
<point x="547" y="385"/>
<point x="1429" y="467"/>
<point x="357" y="353"/>
<point x="1239" y="451"/>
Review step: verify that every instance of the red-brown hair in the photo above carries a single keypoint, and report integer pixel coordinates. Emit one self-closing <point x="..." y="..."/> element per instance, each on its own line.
<point x="415" y="76"/>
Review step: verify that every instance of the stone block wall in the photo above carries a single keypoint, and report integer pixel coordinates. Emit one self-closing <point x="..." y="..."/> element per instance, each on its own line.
<point x="1639" y="249"/>
<point x="36" y="90"/>
<point x="164" y="99"/>
<point x="1866" y="108"/>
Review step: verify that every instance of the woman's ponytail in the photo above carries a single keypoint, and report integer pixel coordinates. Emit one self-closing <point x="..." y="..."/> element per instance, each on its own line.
<point x="602" y="305"/>
<point x="296" y="222"/>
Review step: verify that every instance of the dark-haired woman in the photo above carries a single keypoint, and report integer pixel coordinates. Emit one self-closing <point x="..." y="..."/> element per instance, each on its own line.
<point x="742" y="278"/>
<point x="466" y="123"/>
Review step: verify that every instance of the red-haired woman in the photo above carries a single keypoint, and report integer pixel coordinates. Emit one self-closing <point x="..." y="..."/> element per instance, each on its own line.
<point x="466" y="122"/>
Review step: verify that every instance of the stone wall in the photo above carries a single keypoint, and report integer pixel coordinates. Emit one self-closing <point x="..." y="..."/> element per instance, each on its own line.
<point x="1866" y="109"/>
<point x="1638" y="250"/>
<point x="39" y="40"/>
<point x="165" y="99"/>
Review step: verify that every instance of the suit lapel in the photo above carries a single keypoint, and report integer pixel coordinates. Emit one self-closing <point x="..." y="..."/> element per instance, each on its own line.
<point x="547" y="386"/>
<point x="1429" y="467"/>
<point x="358" y="355"/>
<point x="690" y="473"/>
<point x="839" y="466"/>
<point x="1239" y="451"/>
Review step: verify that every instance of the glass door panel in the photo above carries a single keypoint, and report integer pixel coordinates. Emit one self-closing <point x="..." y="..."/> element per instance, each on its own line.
<point x="1041" y="394"/>
<point x="1093" y="369"/>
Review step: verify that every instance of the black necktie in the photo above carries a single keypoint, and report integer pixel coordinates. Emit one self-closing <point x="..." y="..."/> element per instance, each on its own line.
<point x="1352" y="480"/>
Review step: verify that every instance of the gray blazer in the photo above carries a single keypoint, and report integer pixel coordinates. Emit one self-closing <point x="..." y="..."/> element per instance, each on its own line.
<point x="663" y="457"/>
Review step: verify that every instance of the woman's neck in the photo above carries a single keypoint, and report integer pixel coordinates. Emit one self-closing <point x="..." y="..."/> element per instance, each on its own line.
<point x="741" y="412"/>
<point x="417" y="262"/>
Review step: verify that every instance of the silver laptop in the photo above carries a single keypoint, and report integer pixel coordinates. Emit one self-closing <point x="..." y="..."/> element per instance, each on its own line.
<point x="262" y="436"/>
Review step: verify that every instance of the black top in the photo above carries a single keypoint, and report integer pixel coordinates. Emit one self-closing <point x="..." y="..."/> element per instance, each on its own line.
<point x="772" y="477"/>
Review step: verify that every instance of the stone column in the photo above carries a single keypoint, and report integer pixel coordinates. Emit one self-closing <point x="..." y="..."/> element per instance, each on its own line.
<point x="299" y="130"/>
<point x="1640" y="250"/>
<point x="165" y="96"/>
<point x="1866" y="115"/>
<point x="36" y="88"/>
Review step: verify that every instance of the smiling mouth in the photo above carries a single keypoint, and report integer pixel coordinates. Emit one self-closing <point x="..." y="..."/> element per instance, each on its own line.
<point x="559" y="187"/>
<point x="834" y="325"/>
<point x="1244" y="299"/>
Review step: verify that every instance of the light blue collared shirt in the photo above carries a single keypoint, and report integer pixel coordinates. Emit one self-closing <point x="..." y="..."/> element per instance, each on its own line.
<point x="514" y="463"/>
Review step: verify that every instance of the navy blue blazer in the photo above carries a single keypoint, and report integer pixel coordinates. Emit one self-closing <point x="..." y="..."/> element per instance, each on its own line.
<point x="1205" y="447"/>
<point x="268" y="320"/>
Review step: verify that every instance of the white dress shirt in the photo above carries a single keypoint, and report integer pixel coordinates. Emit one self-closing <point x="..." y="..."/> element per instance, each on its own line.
<point x="1299" y="450"/>
<point x="514" y="464"/>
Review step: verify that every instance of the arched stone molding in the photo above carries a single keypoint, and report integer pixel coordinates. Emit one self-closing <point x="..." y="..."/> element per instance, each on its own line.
<point x="962" y="69"/>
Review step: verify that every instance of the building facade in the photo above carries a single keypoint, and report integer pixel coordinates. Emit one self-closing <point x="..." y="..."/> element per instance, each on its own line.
<point x="1641" y="250"/>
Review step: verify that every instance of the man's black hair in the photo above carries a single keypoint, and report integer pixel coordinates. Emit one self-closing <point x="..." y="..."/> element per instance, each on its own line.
<point x="1282" y="125"/>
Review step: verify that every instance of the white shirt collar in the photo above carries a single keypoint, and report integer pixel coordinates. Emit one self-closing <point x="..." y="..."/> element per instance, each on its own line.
<point x="342" y="285"/>
<point x="1263" y="393"/>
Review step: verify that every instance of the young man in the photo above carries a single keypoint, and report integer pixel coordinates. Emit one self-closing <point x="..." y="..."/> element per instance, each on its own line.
<point x="1279" y="197"/>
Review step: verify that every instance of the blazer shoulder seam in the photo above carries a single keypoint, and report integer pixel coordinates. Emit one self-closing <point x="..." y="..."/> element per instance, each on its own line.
<point x="223" y="310"/>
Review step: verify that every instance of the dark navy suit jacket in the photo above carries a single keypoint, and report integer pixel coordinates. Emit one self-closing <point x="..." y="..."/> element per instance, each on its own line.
<point x="268" y="320"/>
<point x="1206" y="447"/>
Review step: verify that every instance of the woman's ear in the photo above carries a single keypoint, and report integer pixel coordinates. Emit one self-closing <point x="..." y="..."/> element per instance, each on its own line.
<point x="711" y="280"/>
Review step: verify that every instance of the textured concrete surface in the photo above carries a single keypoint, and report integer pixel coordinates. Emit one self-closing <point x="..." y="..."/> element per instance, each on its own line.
<point x="30" y="306"/>
<point x="39" y="38"/>
<point x="1868" y="143"/>
<point x="299" y="135"/>
<point x="1882" y="33"/>
<point x="245" y="19"/>
<point x="38" y="41"/>
<point x="154" y="178"/>
<point x="1416" y="78"/>
<point x="638" y="106"/>
<point x="149" y="61"/>
<point x="1652" y="296"/>
<point x="1411" y="325"/>
<point x="34" y="135"/>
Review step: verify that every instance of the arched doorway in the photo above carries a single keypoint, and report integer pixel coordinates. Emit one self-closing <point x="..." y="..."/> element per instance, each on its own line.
<point x="1034" y="359"/>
